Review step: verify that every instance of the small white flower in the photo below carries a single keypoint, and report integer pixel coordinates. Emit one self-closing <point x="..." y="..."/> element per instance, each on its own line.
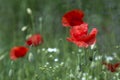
<point x="90" y="77"/>
<point x="56" y="59"/>
<point x="85" y="74"/>
<point x="108" y="58"/>
<point x="52" y="49"/>
<point x="98" y="58"/>
<point x="114" y="77"/>
<point x="83" y="78"/>
<point x="117" y="74"/>
<point x="95" y="78"/>
<point x="50" y="56"/>
<point x="79" y="50"/>
<point x="50" y="67"/>
<point x="47" y="63"/>
<point x="114" y="54"/>
<point x="43" y="49"/>
<point x="62" y="63"/>
<point x="56" y="66"/>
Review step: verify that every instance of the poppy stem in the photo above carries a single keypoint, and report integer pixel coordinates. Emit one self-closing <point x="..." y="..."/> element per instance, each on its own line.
<point x="85" y="56"/>
<point x="40" y="24"/>
<point x="79" y="62"/>
<point x="105" y="76"/>
<point x="32" y="23"/>
<point x="78" y="55"/>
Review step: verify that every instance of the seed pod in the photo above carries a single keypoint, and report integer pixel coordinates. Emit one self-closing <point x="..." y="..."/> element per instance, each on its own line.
<point x="30" y="57"/>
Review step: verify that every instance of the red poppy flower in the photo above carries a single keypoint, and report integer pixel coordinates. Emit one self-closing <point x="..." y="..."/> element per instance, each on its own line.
<point x="34" y="40"/>
<point x="112" y="67"/>
<point x="17" y="52"/>
<point x="79" y="35"/>
<point x="73" y="18"/>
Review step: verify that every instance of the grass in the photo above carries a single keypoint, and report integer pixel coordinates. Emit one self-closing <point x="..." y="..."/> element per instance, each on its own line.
<point x="66" y="61"/>
<point x="41" y="63"/>
<point x="59" y="60"/>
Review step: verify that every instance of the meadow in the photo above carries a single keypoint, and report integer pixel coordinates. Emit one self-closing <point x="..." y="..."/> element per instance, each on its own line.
<point x="56" y="58"/>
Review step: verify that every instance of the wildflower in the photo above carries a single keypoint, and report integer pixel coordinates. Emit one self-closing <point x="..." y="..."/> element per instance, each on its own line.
<point x="17" y="52"/>
<point x="56" y="59"/>
<point x="109" y="58"/>
<point x="98" y="58"/>
<point x="112" y="67"/>
<point x="52" y="49"/>
<point x="34" y="40"/>
<point x="79" y="35"/>
<point x="73" y="18"/>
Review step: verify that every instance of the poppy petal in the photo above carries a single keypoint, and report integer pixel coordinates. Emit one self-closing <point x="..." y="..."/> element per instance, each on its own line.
<point x="17" y="52"/>
<point x="112" y="67"/>
<point x="73" y="18"/>
<point x="91" y="38"/>
<point x="81" y="44"/>
<point x="117" y="65"/>
<point x="79" y="35"/>
<point x="34" y="40"/>
<point x="78" y="32"/>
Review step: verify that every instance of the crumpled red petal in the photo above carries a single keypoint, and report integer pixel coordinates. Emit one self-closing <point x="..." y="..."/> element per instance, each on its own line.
<point x="112" y="67"/>
<point x="79" y="35"/>
<point x="91" y="38"/>
<point x="34" y="40"/>
<point x="73" y="18"/>
<point x="18" y="52"/>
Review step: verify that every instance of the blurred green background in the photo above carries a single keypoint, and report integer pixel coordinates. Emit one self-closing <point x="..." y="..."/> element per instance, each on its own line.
<point x="47" y="14"/>
<point x="103" y="14"/>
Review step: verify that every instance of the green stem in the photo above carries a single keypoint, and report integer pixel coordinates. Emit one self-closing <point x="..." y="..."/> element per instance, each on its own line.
<point x="85" y="56"/>
<point x="78" y="62"/>
<point x="32" y="23"/>
<point x="40" y="24"/>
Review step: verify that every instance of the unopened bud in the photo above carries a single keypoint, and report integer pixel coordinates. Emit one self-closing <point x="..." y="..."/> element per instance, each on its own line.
<point x="30" y="57"/>
<point x="29" y="11"/>
<point x="10" y="73"/>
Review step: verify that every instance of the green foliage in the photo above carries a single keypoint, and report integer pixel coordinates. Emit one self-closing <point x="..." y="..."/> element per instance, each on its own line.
<point x="68" y="62"/>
